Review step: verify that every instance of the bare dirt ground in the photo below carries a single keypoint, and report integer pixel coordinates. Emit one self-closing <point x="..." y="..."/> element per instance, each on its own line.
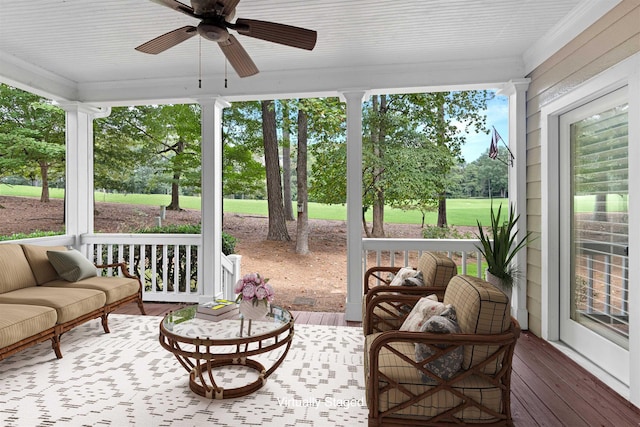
<point x="314" y="282"/>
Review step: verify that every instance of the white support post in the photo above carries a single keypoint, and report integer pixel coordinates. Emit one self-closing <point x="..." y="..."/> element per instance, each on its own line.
<point x="516" y="90"/>
<point x="353" y="310"/>
<point x="79" y="192"/>
<point x="211" y="199"/>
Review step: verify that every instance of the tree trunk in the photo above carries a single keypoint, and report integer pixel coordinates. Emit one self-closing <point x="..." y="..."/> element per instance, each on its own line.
<point x="302" y="233"/>
<point x="277" y="223"/>
<point x="377" y="138"/>
<point x="44" y="173"/>
<point x="286" y="165"/>
<point x="175" y="182"/>
<point x="364" y="223"/>
<point x="442" y="199"/>
<point x="442" y="211"/>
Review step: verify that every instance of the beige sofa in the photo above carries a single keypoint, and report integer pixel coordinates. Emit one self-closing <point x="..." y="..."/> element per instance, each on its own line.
<point x="37" y="305"/>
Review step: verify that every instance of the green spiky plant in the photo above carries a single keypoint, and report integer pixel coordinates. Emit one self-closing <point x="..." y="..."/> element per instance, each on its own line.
<point x="499" y="246"/>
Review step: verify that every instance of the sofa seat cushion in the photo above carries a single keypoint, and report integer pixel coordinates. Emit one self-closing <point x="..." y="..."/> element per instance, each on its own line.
<point x="391" y="365"/>
<point x="19" y="322"/>
<point x="115" y="288"/>
<point x="68" y="303"/>
<point x="15" y="272"/>
<point x="39" y="262"/>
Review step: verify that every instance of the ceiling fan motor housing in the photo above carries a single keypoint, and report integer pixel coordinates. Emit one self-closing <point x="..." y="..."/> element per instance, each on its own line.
<point x="213" y="32"/>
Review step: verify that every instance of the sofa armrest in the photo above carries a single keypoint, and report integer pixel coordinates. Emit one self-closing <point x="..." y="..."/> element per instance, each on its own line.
<point x="122" y="266"/>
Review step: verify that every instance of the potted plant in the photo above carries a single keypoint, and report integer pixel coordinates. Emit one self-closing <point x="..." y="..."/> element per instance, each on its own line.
<point x="499" y="247"/>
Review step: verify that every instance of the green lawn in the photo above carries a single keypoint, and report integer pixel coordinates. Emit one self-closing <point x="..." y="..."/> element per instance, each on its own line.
<point x="459" y="211"/>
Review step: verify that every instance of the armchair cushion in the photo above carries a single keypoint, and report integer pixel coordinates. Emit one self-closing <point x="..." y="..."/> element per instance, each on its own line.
<point x="436" y="269"/>
<point x="482" y="309"/>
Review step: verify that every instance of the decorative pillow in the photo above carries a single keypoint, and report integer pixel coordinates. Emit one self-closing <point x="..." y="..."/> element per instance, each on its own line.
<point x="71" y="265"/>
<point x="404" y="274"/>
<point x="447" y="365"/>
<point x="424" y="309"/>
<point x="414" y="281"/>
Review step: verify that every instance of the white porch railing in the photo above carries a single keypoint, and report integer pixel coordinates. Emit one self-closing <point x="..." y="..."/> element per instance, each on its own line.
<point x="167" y="263"/>
<point x="405" y="252"/>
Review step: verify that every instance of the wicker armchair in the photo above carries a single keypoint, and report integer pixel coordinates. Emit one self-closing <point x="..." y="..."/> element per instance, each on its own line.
<point x="436" y="271"/>
<point x="401" y="391"/>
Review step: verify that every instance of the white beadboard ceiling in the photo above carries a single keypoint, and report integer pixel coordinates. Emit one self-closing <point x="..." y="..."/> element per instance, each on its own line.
<point x="83" y="50"/>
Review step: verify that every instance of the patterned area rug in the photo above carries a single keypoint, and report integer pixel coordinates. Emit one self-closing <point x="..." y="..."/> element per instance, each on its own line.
<point x="126" y="378"/>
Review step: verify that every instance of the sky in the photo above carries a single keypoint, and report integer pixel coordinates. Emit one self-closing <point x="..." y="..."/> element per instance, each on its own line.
<point x="497" y="115"/>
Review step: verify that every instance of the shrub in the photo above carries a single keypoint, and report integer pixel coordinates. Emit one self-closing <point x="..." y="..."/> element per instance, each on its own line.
<point x="35" y="234"/>
<point x="435" y="232"/>
<point x="228" y="241"/>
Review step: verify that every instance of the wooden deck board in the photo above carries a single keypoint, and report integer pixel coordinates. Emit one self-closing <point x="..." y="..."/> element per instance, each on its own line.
<point x="547" y="388"/>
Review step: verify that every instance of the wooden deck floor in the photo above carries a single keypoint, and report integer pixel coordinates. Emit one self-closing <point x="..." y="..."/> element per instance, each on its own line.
<point x="548" y="388"/>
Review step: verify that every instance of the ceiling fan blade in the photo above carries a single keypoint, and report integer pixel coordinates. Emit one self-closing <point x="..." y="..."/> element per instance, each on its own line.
<point x="168" y="40"/>
<point x="176" y="5"/>
<point x="277" y="33"/>
<point x="238" y="57"/>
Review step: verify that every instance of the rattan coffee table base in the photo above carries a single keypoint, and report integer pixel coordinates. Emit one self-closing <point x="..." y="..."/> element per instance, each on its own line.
<point x="202" y="382"/>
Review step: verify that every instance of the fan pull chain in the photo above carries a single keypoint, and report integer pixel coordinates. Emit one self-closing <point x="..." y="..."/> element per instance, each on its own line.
<point x="199" y="62"/>
<point x="225" y="72"/>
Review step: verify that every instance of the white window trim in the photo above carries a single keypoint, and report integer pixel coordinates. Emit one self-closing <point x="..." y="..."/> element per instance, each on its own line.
<point x="624" y="73"/>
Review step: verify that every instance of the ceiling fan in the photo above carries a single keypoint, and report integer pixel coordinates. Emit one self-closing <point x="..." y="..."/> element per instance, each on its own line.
<point x="214" y="16"/>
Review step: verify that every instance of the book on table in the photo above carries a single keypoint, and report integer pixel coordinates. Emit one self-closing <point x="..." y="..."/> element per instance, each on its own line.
<point x="217" y="307"/>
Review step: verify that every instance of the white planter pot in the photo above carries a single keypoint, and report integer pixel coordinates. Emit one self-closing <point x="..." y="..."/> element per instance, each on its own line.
<point x="498" y="283"/>
<point x="253" y="312"/>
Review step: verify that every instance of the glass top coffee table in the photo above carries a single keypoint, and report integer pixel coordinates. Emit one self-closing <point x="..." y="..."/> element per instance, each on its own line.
<point x="202" y="344"/>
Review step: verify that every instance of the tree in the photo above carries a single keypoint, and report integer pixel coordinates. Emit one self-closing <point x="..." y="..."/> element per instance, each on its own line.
<point x="286" y="161"/>
<point x="242" y="173"/>
<point x="177" y="129"/>
<point x="277" y="222"/>
<point x="122" y="160"/>
<point x="453" y="114"/>
<point x="302" y="229"/>
<point x="32" y="136"/>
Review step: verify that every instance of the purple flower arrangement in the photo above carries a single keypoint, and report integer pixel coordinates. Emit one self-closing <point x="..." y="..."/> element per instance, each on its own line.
<point x="253" y="287"/>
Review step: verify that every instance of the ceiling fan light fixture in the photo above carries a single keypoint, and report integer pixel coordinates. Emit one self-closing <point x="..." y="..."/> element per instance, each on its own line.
<point x="213" y="32"/>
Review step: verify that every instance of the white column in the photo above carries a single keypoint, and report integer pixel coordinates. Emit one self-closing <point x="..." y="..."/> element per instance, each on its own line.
<point x="79" y="192"/>
<point x="516" y="90"/>
<point x="353" y="310"/>
<point x="210" y="268"/>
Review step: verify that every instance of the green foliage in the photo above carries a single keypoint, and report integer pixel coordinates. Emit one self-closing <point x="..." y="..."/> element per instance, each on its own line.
<point x="435" y="232"/>
<point x="32" y="136"/>
<point x="500" y="246"/>
<point x="32" y="235"/>
<point x="228" y="241"/>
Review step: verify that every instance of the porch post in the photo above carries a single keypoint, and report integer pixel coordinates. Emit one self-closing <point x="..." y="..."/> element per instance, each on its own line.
<point x="79" y="191"/>
<point x="209" y="257"/>
<point x="353" y="310"/>
<point x="516" y="90"/>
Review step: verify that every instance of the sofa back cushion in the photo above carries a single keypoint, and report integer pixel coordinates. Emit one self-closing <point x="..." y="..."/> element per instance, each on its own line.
<point x="481" y="309"/>
<point x="436" y="269"/>
<point x="15" y="272"/>
<point x="40" y="265"/>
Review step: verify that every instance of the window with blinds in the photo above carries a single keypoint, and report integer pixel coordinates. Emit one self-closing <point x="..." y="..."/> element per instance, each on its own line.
<point x="599" y="185"/>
